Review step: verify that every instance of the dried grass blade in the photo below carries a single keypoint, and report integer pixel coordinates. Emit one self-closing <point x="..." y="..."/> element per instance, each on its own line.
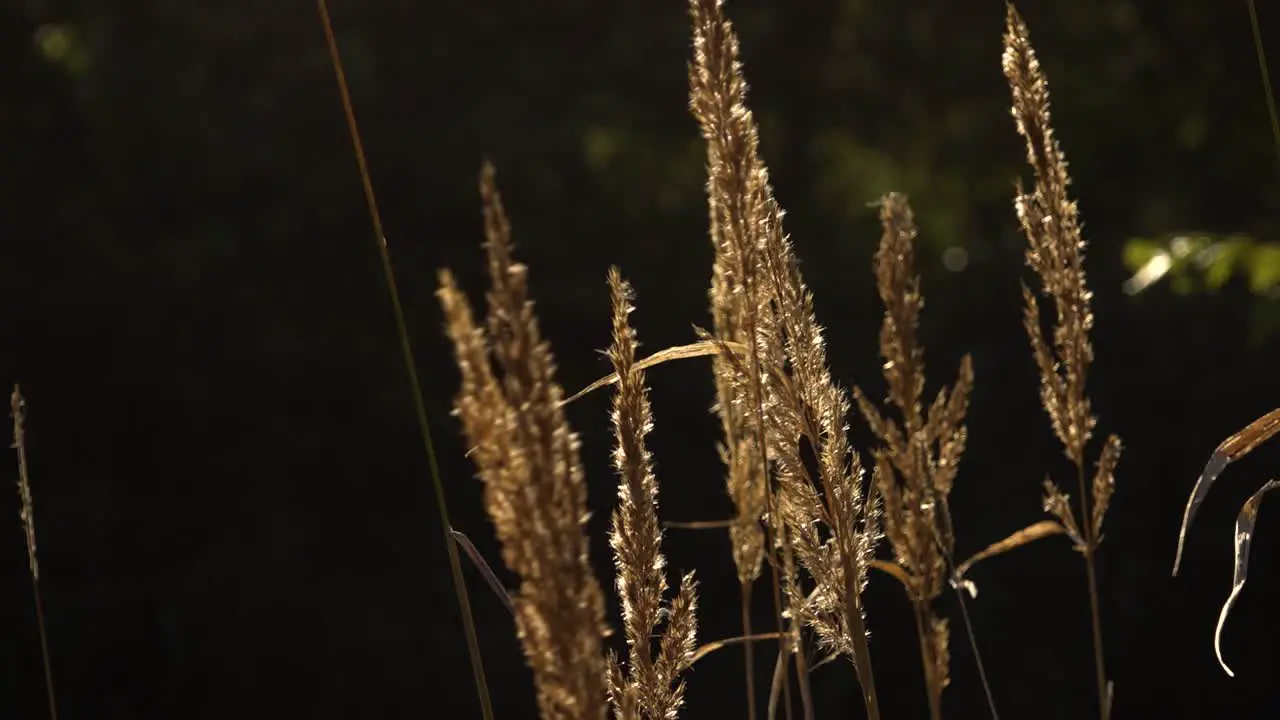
<point x="714" y="645"/>
<point x="1031" y="533"/>
<point x="473" y="553"/>
<point x="775" y="687"/>
<point x="698" y="524"/>
<point x="895" y="570"/>
<point x="1231" y="449"/>
<point x="1245" y="521"/>
<point x="678" y="352"/>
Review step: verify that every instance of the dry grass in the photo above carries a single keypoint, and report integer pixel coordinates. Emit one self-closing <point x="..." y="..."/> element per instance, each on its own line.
<point x="790" y="404"/>
<point x="535" y="494"/>
<point x="1051" y="223"/>
<point x="1228" y="451"/>
<point x="803" y="504"/>
<point x="921" y="450"/>
<point x="798" y="486"/>
<point x="649" y="687"/>
<point x="737" y="189"/>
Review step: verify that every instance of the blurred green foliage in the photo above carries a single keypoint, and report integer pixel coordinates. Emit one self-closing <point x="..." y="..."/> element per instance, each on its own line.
<point x="1197" y="262"/>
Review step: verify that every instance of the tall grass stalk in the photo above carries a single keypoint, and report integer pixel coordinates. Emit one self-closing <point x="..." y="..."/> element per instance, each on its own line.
<point x="18" y="410"/>
<point x="455" y="564"/>
<point x="1050" y="220"/>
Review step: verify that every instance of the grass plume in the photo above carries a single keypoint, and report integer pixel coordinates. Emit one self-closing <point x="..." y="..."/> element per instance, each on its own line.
<point x="1051" y="223"/>
<point x="920" y="453"/>
<point x="796" y="409"/>
<point x="649" y="688"/>
<point x="737" y="185"/>
<point x="534" y="490"/>
<point x="832" y="523"/>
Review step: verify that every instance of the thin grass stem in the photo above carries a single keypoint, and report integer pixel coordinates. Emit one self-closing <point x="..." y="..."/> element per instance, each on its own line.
<point x="861" y="653"/>
<point x="1266" y="75"/>
<point x="748" y="652"/>
<point x="973" y="645"/>
<point x="44" y="650"/>
<point x="1099" y="657"/>
<point x="926" y="661"/>
<point x="455" y="563"/>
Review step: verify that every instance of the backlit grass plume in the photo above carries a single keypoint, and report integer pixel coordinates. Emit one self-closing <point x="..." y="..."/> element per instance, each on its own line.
<point x="737" y="197"/>
<point x="825" y="518"/>
<point x="832" y="524"/>
<point x="534" y="492"/>
<point x="649" y="688"/>
<point x="920" y="455"/>
<point x="734" y="300"/>
<point x="1050" y="220"/>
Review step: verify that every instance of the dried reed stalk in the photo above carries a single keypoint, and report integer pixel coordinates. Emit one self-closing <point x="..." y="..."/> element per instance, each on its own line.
<point x="735" y="187"/>
<point x="18" y="411"/>
<point x="917" y="464"/>
<point x="535" y="494"/>
<point x="1050" y="220"/>
<point x="649" y="688"/>
<point x="798" y="412"/>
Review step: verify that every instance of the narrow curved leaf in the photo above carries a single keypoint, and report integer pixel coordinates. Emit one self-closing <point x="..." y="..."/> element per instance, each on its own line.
<point x="1245" y="521"/>
<point x="1030" y="533"/>
<point x="714" y="645"/>
<point x="1231" y="449"/>
<point x="890" y="568"/>
<point x="678" y="352"/>
<point x="698" y="524"/>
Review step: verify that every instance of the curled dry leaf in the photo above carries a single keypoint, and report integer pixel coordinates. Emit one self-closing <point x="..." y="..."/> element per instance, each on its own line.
<point x="1231" y="449"/>
<point x="1245" y="521"/>
<point x="678" y="352"/>
<point x="1031" y="533"/>
<point x="707" y="649"/>
<point x="894" y="569"/>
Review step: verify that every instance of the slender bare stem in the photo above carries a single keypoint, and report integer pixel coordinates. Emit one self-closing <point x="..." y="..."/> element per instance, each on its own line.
<point x="973" y="645"/>
<point x="779" y="672"/>
<point x="861" y="653"/>
<point x="1266" y="76"/>
<point x="785" y="644"/>
<point x="1090" y="544"/>
<point x="455" y="563"/>
<point x="931" y="689"/>
<point x="748" y="654"/>
<point x="802" y="680"/>
<point x="44" y="650"/>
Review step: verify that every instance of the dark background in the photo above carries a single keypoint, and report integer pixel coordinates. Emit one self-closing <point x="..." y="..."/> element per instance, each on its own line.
<point x="233" y="508"/>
